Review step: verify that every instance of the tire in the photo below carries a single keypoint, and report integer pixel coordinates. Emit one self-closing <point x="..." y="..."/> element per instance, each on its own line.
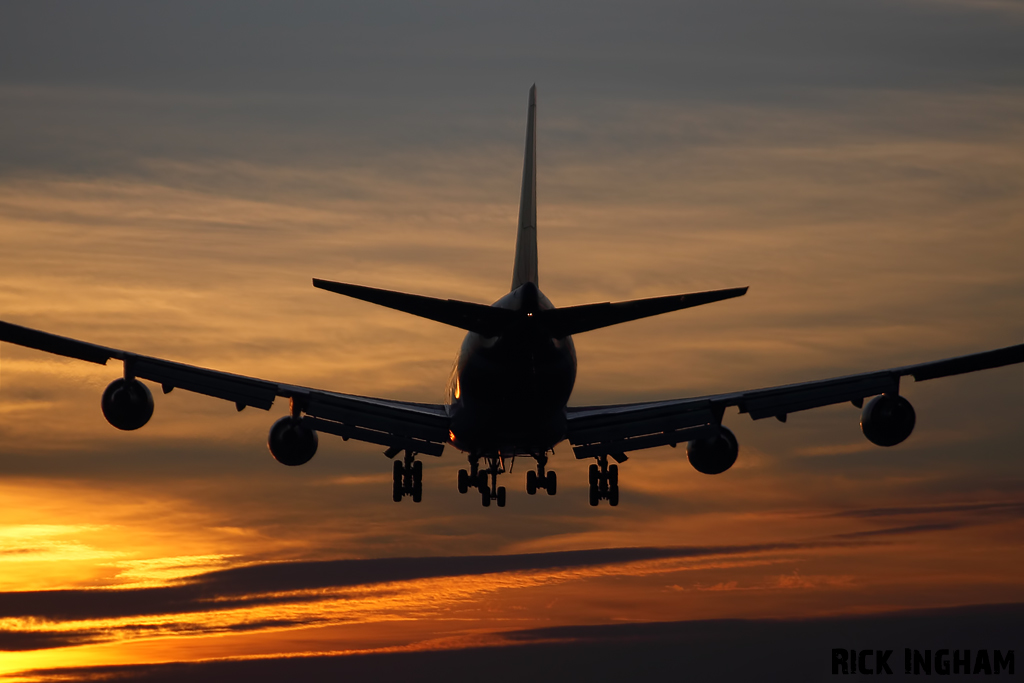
<point x="485" y="499"/>
<point x="594" y="475"/>
<point x="613" y="478"/>
<point x="399" y="472"/>
<point x="463" y="481"/>
<point x="481" y="483"/>
<point x="594" y="496"/>
<point x="396" y="492"/>
<point x="417" y="493"/>
<point x="501" y="496"/>
<point x="613" y="496"/>
<point x="417" y="472"/>
<point x="552" y="483"/>
<point x="531" y="482"/>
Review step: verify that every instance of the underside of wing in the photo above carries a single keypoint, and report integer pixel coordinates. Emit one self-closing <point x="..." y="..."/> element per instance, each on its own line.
<point x="128" y="404"/>
<point x="597" y="431"/>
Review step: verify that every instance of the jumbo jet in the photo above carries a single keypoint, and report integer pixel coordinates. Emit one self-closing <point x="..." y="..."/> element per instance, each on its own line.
<point x="509" y="390"/>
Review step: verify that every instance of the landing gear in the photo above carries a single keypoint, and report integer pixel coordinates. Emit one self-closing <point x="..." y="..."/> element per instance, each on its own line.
<point x="474" y="478"/>
<point x="407" y="479"/>
<point x="604" y="482"/>
<point x="540" y="480"/>
<point x="484" y="480"/>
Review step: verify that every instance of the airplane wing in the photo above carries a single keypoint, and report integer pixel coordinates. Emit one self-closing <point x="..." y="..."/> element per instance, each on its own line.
<point x="614" y="430"/>
<point x="398" y="425"/>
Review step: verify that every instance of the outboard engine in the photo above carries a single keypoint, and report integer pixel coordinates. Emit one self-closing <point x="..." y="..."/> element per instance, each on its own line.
<point x="291" y="443"/>
<point x="714" y="455"/>
<point x="887" y="420"/>
<point x="127" y="404"/>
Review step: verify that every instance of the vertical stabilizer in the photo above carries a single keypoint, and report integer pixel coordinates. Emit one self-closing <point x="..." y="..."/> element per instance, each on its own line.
<point x="525" y="269"/>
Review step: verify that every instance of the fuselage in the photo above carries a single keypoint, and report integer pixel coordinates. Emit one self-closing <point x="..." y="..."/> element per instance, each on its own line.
<point x="508" y="394"/>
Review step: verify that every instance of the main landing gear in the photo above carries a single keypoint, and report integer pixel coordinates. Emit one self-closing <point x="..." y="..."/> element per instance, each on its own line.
<point x="604" y="482"/>
<point x="408" y="479"/>
<point x="540" y="480"/>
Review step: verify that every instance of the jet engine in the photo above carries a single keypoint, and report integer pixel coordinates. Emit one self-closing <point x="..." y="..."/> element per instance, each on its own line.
<point x="127" y="404"/>
<point x="714" y="455"/>
<point x="887" y="420"/>
<point x="291" y="443"/>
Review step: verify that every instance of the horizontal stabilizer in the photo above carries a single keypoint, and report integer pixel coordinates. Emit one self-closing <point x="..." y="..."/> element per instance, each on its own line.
<point x="562" y="322"/>
<point x="485" y="320"/>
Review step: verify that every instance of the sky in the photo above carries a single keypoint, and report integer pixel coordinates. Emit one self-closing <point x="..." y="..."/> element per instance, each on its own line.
<point x="173" y="174"/>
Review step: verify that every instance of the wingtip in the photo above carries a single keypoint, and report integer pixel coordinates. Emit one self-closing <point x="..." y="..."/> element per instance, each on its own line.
<point x="533" y="94"/>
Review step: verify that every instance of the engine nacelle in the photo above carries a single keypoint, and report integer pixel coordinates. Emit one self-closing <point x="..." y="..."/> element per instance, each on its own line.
<point x="714" y="455"/>
<point x="291" y="443"/>
<point x="127" y="404"/>
<point x="887" y="420"/>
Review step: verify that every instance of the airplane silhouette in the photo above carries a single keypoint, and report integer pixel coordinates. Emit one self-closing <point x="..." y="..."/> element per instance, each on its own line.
<point x="508" y="393"/>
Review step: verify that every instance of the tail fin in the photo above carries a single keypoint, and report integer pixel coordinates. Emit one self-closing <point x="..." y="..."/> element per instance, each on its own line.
<point x="525" y="268"/>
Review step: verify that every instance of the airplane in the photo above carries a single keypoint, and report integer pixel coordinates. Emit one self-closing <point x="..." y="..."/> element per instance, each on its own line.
<point x="509" y="390"/>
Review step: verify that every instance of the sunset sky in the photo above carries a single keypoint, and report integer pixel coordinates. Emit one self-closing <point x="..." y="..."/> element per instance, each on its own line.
<point x="173" y="174"/>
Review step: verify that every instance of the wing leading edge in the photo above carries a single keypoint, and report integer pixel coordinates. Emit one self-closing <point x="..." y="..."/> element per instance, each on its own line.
<point x="397" y="425"/>
<point x="614" y="430"/>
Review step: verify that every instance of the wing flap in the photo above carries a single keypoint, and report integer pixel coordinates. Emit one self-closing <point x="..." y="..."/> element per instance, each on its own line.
<point x="415" y="422"/>
<point x="635" y="443"/>
<point x="644" y="420"/>
<point x="238" y="389"/>
<point x="396" y="441"/>
<point x="780" y="401"/>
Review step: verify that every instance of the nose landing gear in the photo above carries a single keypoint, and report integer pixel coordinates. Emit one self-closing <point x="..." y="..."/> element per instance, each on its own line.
<point x="604" y="482"/>
<point x="485" y="481"/>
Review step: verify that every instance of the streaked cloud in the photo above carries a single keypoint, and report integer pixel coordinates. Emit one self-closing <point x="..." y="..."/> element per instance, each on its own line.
<point x="172" y="176"/>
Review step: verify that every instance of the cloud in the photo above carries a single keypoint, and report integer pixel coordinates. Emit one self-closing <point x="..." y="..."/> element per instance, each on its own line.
<point x="292" y="594"/>
<point x="959" y="510"/>
<point x="734" y="649"/>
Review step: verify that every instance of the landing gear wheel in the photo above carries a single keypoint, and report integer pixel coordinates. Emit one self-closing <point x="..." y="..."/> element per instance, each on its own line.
<point x="552" y="483"/>
<point x="417" y="472"/>
<point x="481" y="483"/>
<point x="485" y="498"/>
<point x="595" y="495"/>
<point x="397" y="491"/>
<point x="613" y="485"/>
<point x="501" y="496"/>
<point x="531" y="482"/>
<point x="463" y="481"/>
<point x="417" y="492"/>
<point x="594" y="474"/>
